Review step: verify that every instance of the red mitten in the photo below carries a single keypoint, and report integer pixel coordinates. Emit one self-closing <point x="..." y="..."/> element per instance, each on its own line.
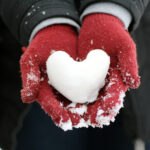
<point x="34" y="76"/>
<point x="106" y="32"/>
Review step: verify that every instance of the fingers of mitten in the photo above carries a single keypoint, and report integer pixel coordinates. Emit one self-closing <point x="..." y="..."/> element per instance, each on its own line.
<point x="56" y="38"/>
<point x="30" y="77"/>
<point x="53" y="107"/>
<point x="76" y="113"/>
<point x="109" y="102"/>
<point x="128" y="64"/>
<point x="114" y="91"/>
<point x="75" y="118"/>
<point x="99" y="31"/>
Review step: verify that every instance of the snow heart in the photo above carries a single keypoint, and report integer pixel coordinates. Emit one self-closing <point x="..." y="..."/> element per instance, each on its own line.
<point x="80" y="82"/>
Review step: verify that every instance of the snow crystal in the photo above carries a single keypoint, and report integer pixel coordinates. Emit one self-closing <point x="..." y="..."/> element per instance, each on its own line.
<point x="65" y="125"/>
<point x="53" y="51"/>
<point x="42" y="79"/>
<point x="61" y="104"/>
<point x="72" y="105"/>
<point x="132" y="80"/>
<point x="127" y="74"/>
<point x="109" y="85"/>
<point x="77" y="59"/>
<point x="29" y="13"/>
<point x="81" y="124"/>
<point x="31" y="63"/>
<point x="100" y="111"/>
<point x="107" y="96"/>
<point x="26" y="22"/>
<point x="29" y="94"/>
<point x="91" y="42"/>
<point x="102" y="47"/>
<point x="32" y="76"/>
<point x="103" y="120"/>
<point x="43" y="12"/>
<point x="81" y="110"/>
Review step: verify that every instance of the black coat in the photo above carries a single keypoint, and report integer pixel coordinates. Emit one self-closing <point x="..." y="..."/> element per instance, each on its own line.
<point x="21" y="16"/>
<point x="14" y="14"/>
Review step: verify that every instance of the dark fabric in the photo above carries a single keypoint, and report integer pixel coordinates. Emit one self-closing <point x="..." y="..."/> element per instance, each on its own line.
<point x="21" y="16"/>
<point x="40" y="133"/>
<point x="11" y="107"/>
<point x="28" y="13"/>
<point x="137" y="104"/>
<point x="136" y="7"/>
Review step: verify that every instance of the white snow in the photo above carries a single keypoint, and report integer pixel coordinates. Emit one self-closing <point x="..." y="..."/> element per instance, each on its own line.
<point x="81" y="124"/>
<point x="53" y="51"/>
<point x="42" y="78"/>
<point x="43" y="12"/>
<point x="32" y="76"/>
<point x="132" y="80"/>
<point x="29" y="94"/>
<point x="128" y="74"/>
<point x="29" y="13"/>
<point x="66" y="125"/>
<point x="79" y="82"/>
<point x="109" y="85"/>
<point x="105" y="120"/>
<point x="26" y="22"/>
<point x="81" y="110"/>
<point x="71" y="105"/>
<point x="100" y="118"/>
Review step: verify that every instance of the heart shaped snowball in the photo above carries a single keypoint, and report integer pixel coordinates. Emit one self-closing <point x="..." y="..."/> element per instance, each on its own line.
<point x="79" y="82"/>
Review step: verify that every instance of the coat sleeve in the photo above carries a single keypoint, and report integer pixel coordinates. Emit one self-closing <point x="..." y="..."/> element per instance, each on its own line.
<point x="21" y="16"/>
<point x="135" y="7"/>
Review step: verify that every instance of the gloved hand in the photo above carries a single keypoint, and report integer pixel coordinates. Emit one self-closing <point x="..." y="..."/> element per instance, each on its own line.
<point x="33" y="69"/>
<point x="106" y="32"/>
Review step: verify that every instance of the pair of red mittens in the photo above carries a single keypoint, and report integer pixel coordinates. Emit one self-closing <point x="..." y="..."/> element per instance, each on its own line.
<point x="98" y="31"/>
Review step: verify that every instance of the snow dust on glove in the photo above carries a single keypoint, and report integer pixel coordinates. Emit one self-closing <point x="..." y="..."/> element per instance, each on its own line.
<point x="106" y="32"/>
<point x="34" y="76"/>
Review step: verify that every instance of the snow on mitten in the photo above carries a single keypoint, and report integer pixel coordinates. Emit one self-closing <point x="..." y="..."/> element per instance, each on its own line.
<point x="106" y="32"/>
<point x="34" y="76"/>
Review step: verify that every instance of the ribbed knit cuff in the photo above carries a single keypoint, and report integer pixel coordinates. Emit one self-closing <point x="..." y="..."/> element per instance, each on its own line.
<point x="109" y="8"/>
<point x="52" y="21"/>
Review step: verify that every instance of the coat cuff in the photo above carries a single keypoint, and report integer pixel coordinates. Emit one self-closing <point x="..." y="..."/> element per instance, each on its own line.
<point x="110" y="8"/>
<point x="52" y="21"/>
